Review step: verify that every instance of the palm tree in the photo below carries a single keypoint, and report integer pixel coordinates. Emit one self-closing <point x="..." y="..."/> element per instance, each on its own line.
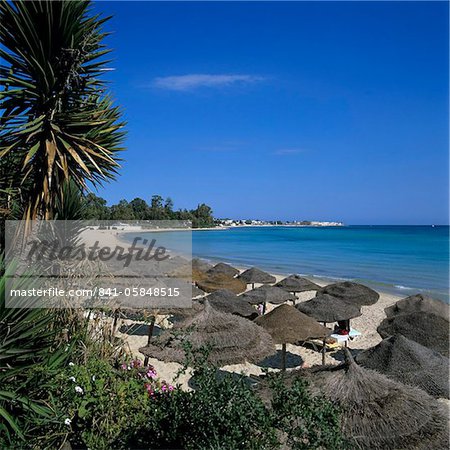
<point x="58" y="123"/>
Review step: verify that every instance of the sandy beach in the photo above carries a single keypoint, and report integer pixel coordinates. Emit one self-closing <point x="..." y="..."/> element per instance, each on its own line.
<point x="134" y="333"/>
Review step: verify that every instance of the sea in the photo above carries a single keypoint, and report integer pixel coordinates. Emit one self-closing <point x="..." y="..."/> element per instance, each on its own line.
<point x="403" y="260"/>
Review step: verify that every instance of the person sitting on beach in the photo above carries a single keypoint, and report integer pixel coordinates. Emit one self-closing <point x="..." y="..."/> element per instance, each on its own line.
<point x="343" y="327"/>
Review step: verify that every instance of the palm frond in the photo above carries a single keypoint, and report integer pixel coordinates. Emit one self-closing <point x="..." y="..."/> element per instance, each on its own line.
<point x="57" y="120"/>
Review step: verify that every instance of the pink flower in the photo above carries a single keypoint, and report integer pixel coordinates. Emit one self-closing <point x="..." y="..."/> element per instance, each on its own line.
<point x="164" y="388"/>
<point x="136" y="363"/>
<point x="123" y="366"/>
<point x="149" y="388"/>
<point x="151" y="374"/>
<point x="171" y="388"/>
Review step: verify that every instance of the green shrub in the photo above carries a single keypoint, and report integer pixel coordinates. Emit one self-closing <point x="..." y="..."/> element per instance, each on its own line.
<point x="98" y="406"/>
<point x="222" y="413"/>
<point x="308" y="422"/>
<point x="28" y="338"/>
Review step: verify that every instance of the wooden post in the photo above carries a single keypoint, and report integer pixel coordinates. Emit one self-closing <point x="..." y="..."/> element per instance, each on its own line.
<point x="323" y="351"/>
<point x="283" y="357"/>
<point x="114" y="325"/>
<point x="324" y="347"/>
<point x="151" y="326"/>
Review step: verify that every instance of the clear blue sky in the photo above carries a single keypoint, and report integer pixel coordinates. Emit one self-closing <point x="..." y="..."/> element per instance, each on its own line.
<point x="297" y="110"/>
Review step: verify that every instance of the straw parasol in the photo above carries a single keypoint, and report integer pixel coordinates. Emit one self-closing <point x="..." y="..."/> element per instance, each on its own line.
<point x="296" y="283"/>
<point x="226" y="301"/>
<point x="410" y="363"/>
<point x="378" y="413"/>
<point x="197" y="292"/>
<point x="355" y="293"/>
<point x="418" y="302"/>
<point x="326" y="308"/>
<point x="183" y="313"/>
<point x="201" y="265"/>
<point x="223" y="269"/>
<point x="219" y="281"/>
<point x="126" y="272"/>
<point x="194" y="270"/>
<point x="231" y="339"/>
<point x="288" y="325"/>
<point x="171" y="265"/>
<point x="425" y="328"/>
<point x="255" y="275"/>
<point x="267" y="294"/>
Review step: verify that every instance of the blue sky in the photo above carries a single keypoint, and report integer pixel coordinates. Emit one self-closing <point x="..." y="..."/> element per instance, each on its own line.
<point x="297" y="110"/>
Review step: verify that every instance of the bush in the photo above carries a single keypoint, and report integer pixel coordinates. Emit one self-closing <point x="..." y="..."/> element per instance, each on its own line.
<point x="28" y="338"/>
<point x="221" y="413"/>
<point x="96" y="405"/>
<point x="307" y="422"/>
<point x="99" y="406"/>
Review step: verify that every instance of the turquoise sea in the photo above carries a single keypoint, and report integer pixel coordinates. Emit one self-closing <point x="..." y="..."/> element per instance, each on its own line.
<point x="397" y="259"/>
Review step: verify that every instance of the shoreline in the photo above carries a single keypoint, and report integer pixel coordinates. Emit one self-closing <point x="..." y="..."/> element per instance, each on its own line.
<point x="367" y="324"/>
<point x="118" y="237"/>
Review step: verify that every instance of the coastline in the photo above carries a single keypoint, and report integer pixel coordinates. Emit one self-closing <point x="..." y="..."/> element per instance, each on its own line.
<point x="397" y="290"/>
<point x="367" y="324"/>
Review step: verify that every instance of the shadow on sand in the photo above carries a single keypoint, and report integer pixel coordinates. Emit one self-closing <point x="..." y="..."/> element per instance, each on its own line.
<point x="274" y="361"/>
<point x="139" y="329"/>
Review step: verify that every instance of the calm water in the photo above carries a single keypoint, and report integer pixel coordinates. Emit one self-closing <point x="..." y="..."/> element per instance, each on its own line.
<point x="400" y="259"/>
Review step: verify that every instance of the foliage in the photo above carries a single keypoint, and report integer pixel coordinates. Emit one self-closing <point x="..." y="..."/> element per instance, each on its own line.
<point x="95" y="208"/>
<point x="69" y="204"/>
<point x="308" y="422"/>
<point x="223" y="412"/>
<point x="27" y="338"/>
<point x="57" y="122"/>
<point x="97" y="405"/>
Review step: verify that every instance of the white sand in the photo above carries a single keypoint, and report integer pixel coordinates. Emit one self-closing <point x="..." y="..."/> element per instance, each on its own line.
<point x="296" y="355"/>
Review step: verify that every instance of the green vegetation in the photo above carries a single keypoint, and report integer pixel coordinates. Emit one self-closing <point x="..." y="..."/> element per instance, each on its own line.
<point x="93" y="403"/>
<point x="63" y="373"/>
<point x="138" y="209"/>
<point x="28" y="338"/>
<point x="58" y="122"/>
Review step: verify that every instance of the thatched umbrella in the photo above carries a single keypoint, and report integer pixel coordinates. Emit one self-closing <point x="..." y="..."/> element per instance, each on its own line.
<point x="288" y="325"/>
<point x="416" y="303"/>
<point x="126" y="272"/>
<point x="201" y="265"/>
<point x="226" y="301"/>
<point x="295" y="283"/>
<point x="379" y="413"/>
<point x="197" y="292"/>
<point x="231" y="339"/>
<point x="425" y="328"/>
<point x="170" y="265"/>
<point x="354" y="293"/>
<point x="410" y="363"/>
<point x="223" y="269"/>
<point x="183" y="313"/>
<point x="216" y="282"/>
<point x="327" y="309"/>
<point x="267" y="294"/>
<point x="255" y="275"/>
<point x="191" y="271"/>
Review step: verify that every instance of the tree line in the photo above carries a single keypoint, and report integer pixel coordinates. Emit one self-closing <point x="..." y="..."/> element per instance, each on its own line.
<point x="96" y="208"/>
